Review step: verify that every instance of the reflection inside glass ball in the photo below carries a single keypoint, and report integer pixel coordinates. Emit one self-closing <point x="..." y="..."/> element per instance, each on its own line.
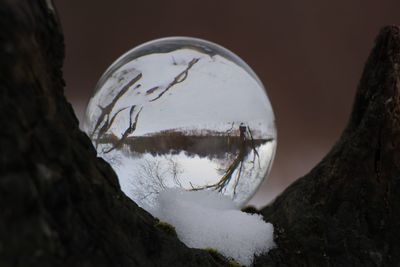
<point x="183" y="112"/>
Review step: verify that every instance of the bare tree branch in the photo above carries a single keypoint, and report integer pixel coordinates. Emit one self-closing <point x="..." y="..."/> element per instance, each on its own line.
<point x="131" y="128"/>
<point x="107" y="125"/>
<point x="178" y="79"/>
<point x="106" y="111"/>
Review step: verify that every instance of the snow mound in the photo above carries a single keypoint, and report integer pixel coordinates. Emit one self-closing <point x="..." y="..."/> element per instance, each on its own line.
<point x="206" y="219"/>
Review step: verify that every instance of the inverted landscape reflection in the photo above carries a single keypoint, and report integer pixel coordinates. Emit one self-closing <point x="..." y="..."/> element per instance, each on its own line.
<point x="183" y="112"/>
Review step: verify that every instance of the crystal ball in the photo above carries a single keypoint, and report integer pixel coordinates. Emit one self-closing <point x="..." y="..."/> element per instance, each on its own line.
<point x="184" y="113"/>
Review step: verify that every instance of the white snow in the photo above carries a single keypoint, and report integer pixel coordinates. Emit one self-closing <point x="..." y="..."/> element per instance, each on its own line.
<point x="143" y="187"/>
<point x="206" y="219"/>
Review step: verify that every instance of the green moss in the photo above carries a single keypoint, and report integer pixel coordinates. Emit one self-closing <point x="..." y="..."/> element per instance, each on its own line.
<point x="233" y="263"/>
<point x="218" y="257"/>
<point x="166" y="228"/>
<point x="214" y="253"/>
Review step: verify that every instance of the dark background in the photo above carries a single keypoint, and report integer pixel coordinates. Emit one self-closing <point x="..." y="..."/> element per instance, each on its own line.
<point x="309" y="54"/>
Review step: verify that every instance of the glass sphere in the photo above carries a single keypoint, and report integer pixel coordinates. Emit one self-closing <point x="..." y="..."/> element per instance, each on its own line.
<point x="183" y="112"/>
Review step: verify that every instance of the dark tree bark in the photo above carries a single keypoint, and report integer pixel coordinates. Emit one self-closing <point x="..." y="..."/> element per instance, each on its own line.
<point x="60" y="205"/>
<point x="346" y="211"/>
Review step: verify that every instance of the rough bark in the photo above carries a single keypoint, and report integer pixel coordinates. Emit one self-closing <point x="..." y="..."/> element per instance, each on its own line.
<point x="60" y="205"/>
<point x="346" y="211"/>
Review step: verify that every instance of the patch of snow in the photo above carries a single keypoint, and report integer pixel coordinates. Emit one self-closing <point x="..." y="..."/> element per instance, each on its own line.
<point x="206" y="219"/>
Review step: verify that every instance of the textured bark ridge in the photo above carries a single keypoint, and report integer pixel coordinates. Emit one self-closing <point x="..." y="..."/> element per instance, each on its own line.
<point x="60" y="205"/>
<point x="346" y="211"/>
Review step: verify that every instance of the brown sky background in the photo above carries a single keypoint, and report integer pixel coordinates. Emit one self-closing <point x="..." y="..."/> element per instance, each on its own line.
<point x="309" y="55"/>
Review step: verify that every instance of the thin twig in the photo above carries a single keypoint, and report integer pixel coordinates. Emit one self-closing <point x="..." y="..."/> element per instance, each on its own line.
<point x="178" y="79"/>
<point x="131" y="128"/>
<point x="106" y="111"/>
<point x="253" y="146"/>
<point x="226" y="178"/>
<point x="107" y="125"/>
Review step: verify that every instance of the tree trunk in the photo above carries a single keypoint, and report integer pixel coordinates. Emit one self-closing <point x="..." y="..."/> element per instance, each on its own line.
<point x="346" y="211"/>
<point x="60" y="205"/>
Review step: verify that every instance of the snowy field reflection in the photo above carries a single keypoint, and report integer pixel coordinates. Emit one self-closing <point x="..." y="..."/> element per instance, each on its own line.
<point x="183" y="113"/>
<point x="143" y="174"/>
